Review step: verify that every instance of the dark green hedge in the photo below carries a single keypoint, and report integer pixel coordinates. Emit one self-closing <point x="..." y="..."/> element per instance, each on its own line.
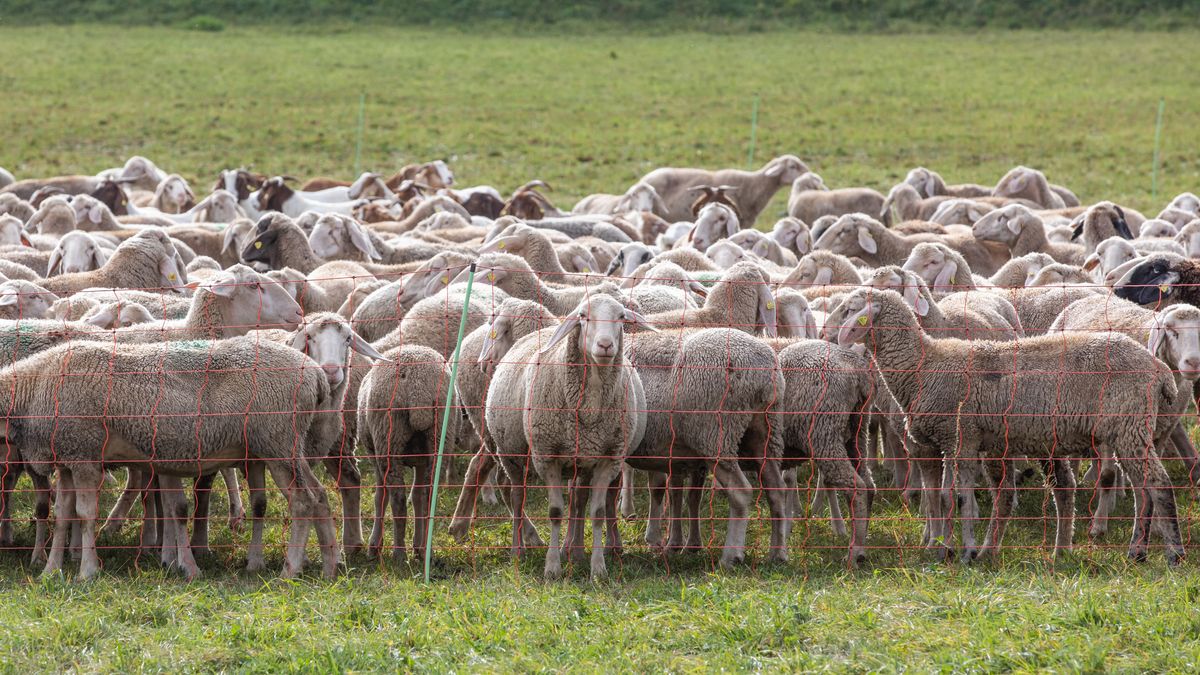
<point x="750" y="14"/>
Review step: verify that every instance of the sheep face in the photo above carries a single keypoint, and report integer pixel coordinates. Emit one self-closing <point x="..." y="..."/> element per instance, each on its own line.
<point x="792" y="235"/>
<point x="1005" y="224"/>
<point x="1156" y="228"/>
<point x="715" y="221"/>
<point x="336" y="235"/>
<point x="927" y="183"/>
<point x="960" y="212"/>
<point x="328" y="339"/>
<point x="726" y="254"/>
<point x="629" y="258"/>
<point x="1175" y="338"/>
<point x="1189" y="238"/>
<point x="1152" y="280"/>
<point x="934" y="264"/>
<point x="140" y="172"/>
<point x="239" y="182"/>
<point x="267" y="234"/>
<point x="902" y="203"/>
<point x="117" y="315"/>
<point x="851" y="236"/>
<point x="254" y="301"/>
<point x="1186" y="201"/>
<point x="795" y="319"/>
<point x="641" y="197"/>
<point x="597" y="325"/>
<point x="437" y="175"/>
<point x="1104" y="218"/>
<point x="808" y="181"/>
<point x="88" y="209"/>
<point x="174" y="195"/>
<point x="23" y="300"/>
<point x="860" y="310"/>
<point x="906" y="283"/>
<point x="12" y="231"/>
<point x="76" y="252"/>
<point x="1174" y="216"/>
<point x="785" y="168"/>
<point x="434" y="275"/>
<point x="810" y="272"/>
<point x="753" y="241"/>
<point x="220" y="207"/>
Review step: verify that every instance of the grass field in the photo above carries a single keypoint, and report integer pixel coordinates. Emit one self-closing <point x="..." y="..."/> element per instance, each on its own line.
<point x="591" y="113"/>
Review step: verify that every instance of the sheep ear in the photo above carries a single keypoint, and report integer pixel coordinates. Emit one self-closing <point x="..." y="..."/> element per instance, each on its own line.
<point x="1157" y="335"/>
<point x="581" y="264"/>
<point x="946" y="278"/>
<point x="95" y="214"/>
<point x="358" y="344"/>
<point x="1092" y="262"/>
<point x="922" y="307"/>
<point x="25" y="240"/>
<point x="866" y="241"/>
<point x="930" y="185"/>
<point x="768" y="318"/>
<point x="227" y="240"/>
<point x="1014" y="225"/>
<point x="640" y="320"/>
<point x="100" y="257"/>
<point x="358" y="237"/>
<point x="732" y="226"/>
<point x="54" y="262"/>
<point x="9" y="299"/>
<point x="1018" y="183"/>
<point x="224" y="285"/>
<point x="569" y="324"/>
<point x="824" y="276"/>
<point x="489" y="342"/>
<point x="698" y="288"/>
<point x="659" y="206"/>
<point x="855" y="328"/>
<point x="774" y="170"/>
<point x="912" y="295"/>
<point x="498" y="244"/>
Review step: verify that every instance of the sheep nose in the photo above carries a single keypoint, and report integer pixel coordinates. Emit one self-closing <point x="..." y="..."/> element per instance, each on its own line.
<point x="333" y="373"/>
<point x="604" y="345"/>
<point x="1190" y="364"/>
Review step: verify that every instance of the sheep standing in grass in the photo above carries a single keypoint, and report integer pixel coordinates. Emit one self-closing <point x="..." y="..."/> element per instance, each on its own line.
<point x="988" y="400"/>
<point x="582" y="408"/>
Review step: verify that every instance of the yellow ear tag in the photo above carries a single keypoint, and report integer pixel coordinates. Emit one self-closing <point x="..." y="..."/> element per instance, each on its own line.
<point x="500" y="245"/>
<point x="862" y="320"/>
<point x="258" y="244"/>
<point x="1164" y="288"/>
<point x="952" y="281"/>
<point x="587" y="270"/>
<point x="493" y="335"/>
<point x="171" y="277"/>
<point x="491" y="276"/>
<point x="446" y="279"/>
<point x="770" y="305"/>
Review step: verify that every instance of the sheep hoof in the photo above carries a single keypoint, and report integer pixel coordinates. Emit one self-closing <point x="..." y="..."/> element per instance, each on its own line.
<point x="969" y="555"/>
<point x="255" y="565"/>
<point x="729" y="561"/>
<point x="857" y="560"/>
<point x="552" y="572"/>
<point x="1174" y="558"/>
<point x="235" y="523"/>
<point x="1137" y="555"/>
<point x="458" y="530"/>
<point x="1097" y="532"/>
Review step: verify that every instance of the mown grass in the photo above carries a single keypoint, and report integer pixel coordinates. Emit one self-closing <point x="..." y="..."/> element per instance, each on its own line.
<point x="591" y="113"/>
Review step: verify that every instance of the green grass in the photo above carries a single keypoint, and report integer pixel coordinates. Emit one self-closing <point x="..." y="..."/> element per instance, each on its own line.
<point x="592" y="113"/>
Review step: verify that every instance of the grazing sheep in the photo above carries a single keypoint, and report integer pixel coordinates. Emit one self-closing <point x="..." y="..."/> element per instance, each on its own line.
<point x="515" y="278"/>
<point x="810" y="199"/>
<point x="54" y="217"/>
<point x="904" y="203"/>
<point x="537" y="249"/>
<point x="960" y="212"/>
<point x="1099" y="222"/>
<point x="67" y="185"/>
<point x="942" y="268"/>
<point x="641" y="196"/>
<point x="987" y="400"/>
<point x="754" y="188"/>
<point x="949" y="317"/>
<point x="1022" y="182"/>
<point x="929" y="183"/>
<point x="793" y="235"/>
<point x="764" y="247"/>
<point x="325" y="288"/>
<point x="92" y="429"/>
<point x="821" y="273"/>
<point x="741" y="300"/>
<point x="579" y="366"/>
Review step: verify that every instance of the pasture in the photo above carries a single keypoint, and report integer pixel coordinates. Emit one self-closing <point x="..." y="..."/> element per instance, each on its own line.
<point x="589" y="113"/>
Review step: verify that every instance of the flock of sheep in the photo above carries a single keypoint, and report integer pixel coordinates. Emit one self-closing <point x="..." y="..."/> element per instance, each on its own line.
<point x="938" y="333"/>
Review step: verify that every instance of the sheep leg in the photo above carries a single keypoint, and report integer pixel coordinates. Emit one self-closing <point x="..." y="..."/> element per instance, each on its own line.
<point x="825" y="496"/>
<point x="76" y="548"/>
<point x="602" y="480"/>
<point x="256" y="483"/>
<point x="626" y="506"/>
<point x="658" y="493"/>
<point x="478" y="470"/>
<point x="64" y="511"/>
<point x="41" y="510"/>
<point x="932" y="503"/>
<point x="422" y="486"/>
<point x="738" y="491"/>
<point x="149" y="537"/>
<point x="87" y="481"/>
<point x="1186" y="451"/>
<point x="554" y="487"/>
<point x="896" y="460"/>
<point x="513" y="469"/>
<point x="202" y="494"/>
<point x="1003" y="491"/>
<point x="12" y="472"/>
<point x="175" y="509"/>
<point x="966" y="478"/>
<point x="771" y="479"/>
<point x="135" y="484"/>
<point x="399" y="501"/>
<point x="1154" y="498"/>
<point x="676" y="493"/>
<point x="694" y="496"/>
<point x="289" y="482"/>
<point x="375" y="543"/>
<point x="1062" y="477"/>
<point x="577" y="504"/>
<point x="1106" y="489"/>
<point x="237" y="511"/>
<point x="612" y="533"/>
<point x="321" y="519"/>
<point x="349" y="485"/>
<point x="792" y="482"/>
